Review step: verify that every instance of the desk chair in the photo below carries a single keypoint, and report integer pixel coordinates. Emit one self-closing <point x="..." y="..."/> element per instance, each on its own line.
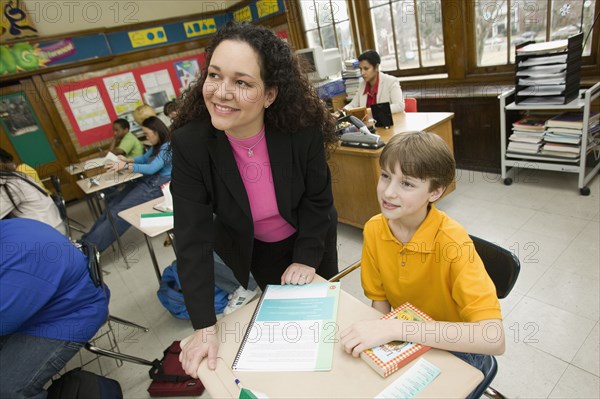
<point x="59" y="200"/>
<point x="503" y="267"/>
<point x="113" y="352"/>
<point x="410" y="104"/>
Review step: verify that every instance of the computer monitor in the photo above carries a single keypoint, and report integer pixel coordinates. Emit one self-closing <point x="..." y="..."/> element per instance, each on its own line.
<point x="157" y="99"/>
<point x="320" y="63"/>
<point x="382" y="114"/>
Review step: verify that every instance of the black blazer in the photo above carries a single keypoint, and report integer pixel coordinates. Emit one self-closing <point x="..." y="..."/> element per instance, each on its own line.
<point x="212" y="211"/>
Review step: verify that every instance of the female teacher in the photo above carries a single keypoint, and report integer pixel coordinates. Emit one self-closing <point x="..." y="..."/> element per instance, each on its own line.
<point x="250" y="179"/>
<point x="376" y="87"/>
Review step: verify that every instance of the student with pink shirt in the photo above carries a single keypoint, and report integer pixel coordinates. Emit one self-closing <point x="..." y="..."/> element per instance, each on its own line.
<point x="249" y="146"/>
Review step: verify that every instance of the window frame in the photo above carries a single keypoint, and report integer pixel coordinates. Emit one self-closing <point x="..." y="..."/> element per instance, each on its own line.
<point x="587" y="62"/>
<point x="460" y="54"/>
<point x="367" y="39"/>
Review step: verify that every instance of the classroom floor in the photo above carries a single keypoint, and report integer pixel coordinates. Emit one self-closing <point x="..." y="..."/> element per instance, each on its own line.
<point x="551" y="317"/>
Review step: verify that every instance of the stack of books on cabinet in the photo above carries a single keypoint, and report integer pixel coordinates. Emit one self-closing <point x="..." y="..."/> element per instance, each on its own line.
<point x="351" y="76"/>
<point x="548" y="73"/>
<point x="527" y="136"/>
<point x="557" y="137"/>
<point x="562" y="138"/>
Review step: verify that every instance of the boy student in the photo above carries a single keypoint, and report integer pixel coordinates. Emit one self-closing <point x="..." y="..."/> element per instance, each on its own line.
<point x="129" y="145"/>
<point x="415" y="253"/>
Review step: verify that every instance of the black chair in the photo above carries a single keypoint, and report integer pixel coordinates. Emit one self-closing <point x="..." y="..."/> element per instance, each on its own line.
<point x="62" y="207"/>
<point x="503" y="267"/>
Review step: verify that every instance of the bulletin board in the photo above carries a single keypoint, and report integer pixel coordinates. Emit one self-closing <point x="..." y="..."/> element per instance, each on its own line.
<point x="90" y="103"/>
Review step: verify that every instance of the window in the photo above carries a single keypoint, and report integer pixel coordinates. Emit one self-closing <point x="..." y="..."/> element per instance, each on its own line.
<point x="408" y="33"/>
<point x="501" y="25"/>
<point x="327" y="24"/>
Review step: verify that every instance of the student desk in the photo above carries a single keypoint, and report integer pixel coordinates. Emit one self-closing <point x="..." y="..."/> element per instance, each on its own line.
<point x="132" y="216"/>
<point x="355" y="171"/>
<point x="349" y="378"/>
<point x="107" y="180"/>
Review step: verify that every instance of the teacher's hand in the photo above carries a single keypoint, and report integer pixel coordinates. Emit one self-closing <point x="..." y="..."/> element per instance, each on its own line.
<point x="298" y="274"/>
<point x="204" y="343"/>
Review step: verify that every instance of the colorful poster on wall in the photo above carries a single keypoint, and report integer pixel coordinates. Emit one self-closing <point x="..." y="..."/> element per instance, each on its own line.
<point x="88" y="108"/>
<point x="243" y="14"/>
<point x="15" y="22"/>
<point x="200" y="27"/>
<point x="188" y="71"/>
<point x="266" y="7"/>
<point x="123" y="92"/>
<point x="148" y="37"/>
<point x="159" y="88"/>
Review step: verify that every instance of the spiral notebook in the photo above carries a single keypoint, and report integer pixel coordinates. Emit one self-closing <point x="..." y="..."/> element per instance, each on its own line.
<point x="293" y="329"/>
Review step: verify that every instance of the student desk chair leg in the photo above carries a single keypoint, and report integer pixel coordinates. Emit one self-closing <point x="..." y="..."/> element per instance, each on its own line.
<point x="115" y="232"/>
<point x="153" y="258"/>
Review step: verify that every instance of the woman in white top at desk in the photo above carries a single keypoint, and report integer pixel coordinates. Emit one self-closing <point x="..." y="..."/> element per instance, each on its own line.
<point x="21" y="197"/>
<point x="376" y="86"/>
<point x="155" y="165"/>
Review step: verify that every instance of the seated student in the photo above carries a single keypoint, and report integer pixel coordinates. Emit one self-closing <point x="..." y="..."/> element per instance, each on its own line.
<point x="170" y="109"/>
<point x="376" y="86"/>
<point x="8" y="160"/>
<point x="49" y="306"/>
<point x="415" y="253"/>
<point x="129" y="145"/>
<point x="155" y="165"/>
<point x="21" y="197"/>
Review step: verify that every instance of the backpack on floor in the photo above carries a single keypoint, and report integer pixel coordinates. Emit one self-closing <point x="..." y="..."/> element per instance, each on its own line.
<point x="81" y="384"/>
<point x="171" y="295"/>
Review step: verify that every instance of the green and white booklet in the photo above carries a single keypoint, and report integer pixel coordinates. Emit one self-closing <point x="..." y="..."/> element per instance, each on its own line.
<point x="293" y="329"/>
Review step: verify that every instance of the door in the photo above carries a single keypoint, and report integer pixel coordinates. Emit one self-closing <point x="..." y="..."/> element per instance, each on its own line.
<point x="27" y="132"/>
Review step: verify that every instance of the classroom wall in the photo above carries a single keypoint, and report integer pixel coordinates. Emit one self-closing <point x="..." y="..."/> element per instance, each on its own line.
<point x="54" y="17"/>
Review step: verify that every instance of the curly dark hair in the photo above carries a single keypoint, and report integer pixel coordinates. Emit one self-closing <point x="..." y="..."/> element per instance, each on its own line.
<point x="297" y="104"/>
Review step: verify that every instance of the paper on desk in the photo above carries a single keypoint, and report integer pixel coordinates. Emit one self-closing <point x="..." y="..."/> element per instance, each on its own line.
<point x="97" y="162"/>
<point x="417" y="378"/>
<point x="167" y="204"/>
<point x="293" y="329"/>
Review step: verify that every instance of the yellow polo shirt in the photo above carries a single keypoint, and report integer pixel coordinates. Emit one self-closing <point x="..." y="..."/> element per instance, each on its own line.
<point x="438" y="271"/>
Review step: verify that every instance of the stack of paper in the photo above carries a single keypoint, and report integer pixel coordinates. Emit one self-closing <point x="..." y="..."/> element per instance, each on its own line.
<point x="352" y="77"/>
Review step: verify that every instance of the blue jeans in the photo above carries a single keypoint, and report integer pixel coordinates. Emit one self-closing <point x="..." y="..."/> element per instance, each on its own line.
<point x="27" y="363"/>
<point x="137" y="192"/>
<point x="225" y="279"/>
<point x="475" y="360"/>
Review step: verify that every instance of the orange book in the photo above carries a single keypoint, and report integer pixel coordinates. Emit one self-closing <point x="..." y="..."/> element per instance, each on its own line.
<point x="390" y="357"/>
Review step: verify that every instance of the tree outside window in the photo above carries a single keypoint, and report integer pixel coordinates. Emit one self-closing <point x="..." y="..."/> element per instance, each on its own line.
<point x="502" y="25"/>
<point x="327" y="24"/>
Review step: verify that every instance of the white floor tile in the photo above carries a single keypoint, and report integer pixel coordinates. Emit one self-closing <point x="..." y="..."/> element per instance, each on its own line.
<point x="588" y="357"/>
<point x="547" y="328"/>
<point x="526" y="372"/>
<point x="559" y="226"/>
<point x="569" y="291"/>
<point x="576" y="383"/>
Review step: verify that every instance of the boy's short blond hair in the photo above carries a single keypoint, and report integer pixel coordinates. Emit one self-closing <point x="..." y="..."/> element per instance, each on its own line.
<point x="421" y="155"/>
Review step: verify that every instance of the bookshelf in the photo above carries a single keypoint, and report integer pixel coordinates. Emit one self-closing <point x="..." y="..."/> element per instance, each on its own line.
<point x="510" y="111"/>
